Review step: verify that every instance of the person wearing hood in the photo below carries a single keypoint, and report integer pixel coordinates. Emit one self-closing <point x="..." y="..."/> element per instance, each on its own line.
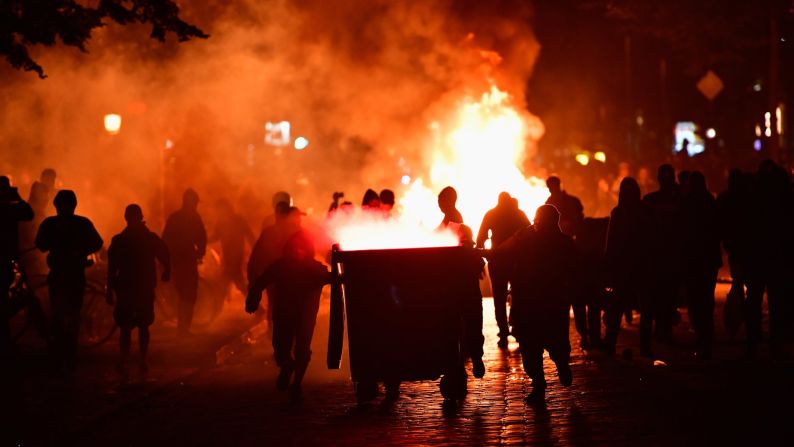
<point x="132" y="278"/>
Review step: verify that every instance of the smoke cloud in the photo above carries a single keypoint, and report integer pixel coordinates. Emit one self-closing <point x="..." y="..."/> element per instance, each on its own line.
<point x="360" y="79"/>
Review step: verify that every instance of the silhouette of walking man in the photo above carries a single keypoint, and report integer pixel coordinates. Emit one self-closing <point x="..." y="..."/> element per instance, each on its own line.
<point x="132" y="278"/>
<point x="69" y="239"/>
<point x="186" y="238"/>
<point x="626" y="253"/>
<point x="544" y="260"/>
<point x="233" y="233"/>
<point x="570" y="207"/>
<point x="502" y="222"/>
<point x="665" y="255"/>
<point x="298" y="281"/>
<point x="702" y="259"/>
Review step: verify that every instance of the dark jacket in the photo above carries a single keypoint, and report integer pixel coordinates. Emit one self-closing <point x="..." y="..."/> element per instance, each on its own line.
<point x="185" y="236"/>
<point x="131" y="258"/>
<point x="69" y="239"/>
<point x="503" y="222"/>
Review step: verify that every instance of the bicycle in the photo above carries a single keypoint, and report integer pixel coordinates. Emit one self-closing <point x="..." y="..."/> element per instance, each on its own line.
<point x="210" y="300"/>
<point x="27" y="307"/>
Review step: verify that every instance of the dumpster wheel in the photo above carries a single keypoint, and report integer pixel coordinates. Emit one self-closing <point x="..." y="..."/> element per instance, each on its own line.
<point x="454" y="385"/>
<point x="366" y="391"/>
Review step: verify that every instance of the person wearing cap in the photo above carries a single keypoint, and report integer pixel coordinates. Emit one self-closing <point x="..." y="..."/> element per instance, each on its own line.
<point x="68" y="239"/>
<point x="132" y="278"/>
<point x="186" y="238"/>
<point x="544" y="259"/>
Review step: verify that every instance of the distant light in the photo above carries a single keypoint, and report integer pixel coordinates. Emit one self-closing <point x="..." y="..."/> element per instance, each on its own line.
<point x="640" y="120"/>
<point x="277" y="134"/>
<point x="600" y="156"/>
<point x="757" y="86"/>
<point x="768" y="132"/>
<point x="779" y="118"/>
<point x="582" y="159"/>
<point x="169" y="144"/>
<point x="757" y="145"/>
<point x="711" y="133"/>
<point x="757" y="130"/>
<point x="301" y="143"/>
<point x="112" y="123"/>
<point x="405" y="180"/>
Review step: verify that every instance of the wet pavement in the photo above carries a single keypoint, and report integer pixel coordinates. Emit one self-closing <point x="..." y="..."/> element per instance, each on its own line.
<point x="218" y="388"/>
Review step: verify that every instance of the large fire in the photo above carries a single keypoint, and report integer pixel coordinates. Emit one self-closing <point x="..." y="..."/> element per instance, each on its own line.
<point x="480" y="155"/>
<point x="479" y="151"/>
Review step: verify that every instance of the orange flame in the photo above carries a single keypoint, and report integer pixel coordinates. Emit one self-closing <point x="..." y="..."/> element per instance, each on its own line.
<point x="480" y="155"/>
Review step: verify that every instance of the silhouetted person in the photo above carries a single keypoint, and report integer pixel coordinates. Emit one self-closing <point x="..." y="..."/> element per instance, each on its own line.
<point x="269" y="247"/>
<point x="627" y="250"/>
<point x="770" y="257"/>
<point x="447" y="199"/>
<point x="545" y="259"/>
<point x="335" y="203"/>
<point x="13" y="210"/>
<point x="69" y="239"/>
<point x="503" y="221"/>
<point x="371" y="200"/>
<point x="702" y="259"/>
<point x="735" y="222"/>
<point x="132" y="278"/>
<point x="665" y="252"/>
<point x="473" y="339"/>
<point x="591" y="281"/>
<point x="186" y="238"/>
<point x="387" y="201"/>
<point x="40" y="199"/>
<point x="570" y="207"/>
<point x="279" y="197"/>
<point x="298" y="281"/>
<point x="233" y="232"/>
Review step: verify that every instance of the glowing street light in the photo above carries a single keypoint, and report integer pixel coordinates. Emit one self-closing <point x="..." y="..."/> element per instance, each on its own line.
<point x="600" y="156"/>
<point x="301" y="143"/>
<point x="711" y="133"/>
<point x="112" y="123"/>
<point x="583" y="159"/>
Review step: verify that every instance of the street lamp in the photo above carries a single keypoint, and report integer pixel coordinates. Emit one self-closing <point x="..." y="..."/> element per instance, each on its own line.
<point x="112" y="123"/>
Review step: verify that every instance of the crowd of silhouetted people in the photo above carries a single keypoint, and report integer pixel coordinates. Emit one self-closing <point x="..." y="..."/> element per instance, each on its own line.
<point x="654" y="254"/>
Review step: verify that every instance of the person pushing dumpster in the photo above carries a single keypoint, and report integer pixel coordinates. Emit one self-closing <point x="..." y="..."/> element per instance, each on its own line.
<point x="297" y="280"/>
<point x="544" y="261"/>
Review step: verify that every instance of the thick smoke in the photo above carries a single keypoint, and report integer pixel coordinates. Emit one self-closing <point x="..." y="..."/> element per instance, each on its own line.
<point x="361" y="79"/>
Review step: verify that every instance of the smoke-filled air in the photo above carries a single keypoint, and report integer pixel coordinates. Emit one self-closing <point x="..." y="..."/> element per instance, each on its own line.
<point x="411" y="96"/>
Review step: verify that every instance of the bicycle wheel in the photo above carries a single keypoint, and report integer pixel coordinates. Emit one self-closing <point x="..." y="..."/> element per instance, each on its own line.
<point x="97" y="325"/>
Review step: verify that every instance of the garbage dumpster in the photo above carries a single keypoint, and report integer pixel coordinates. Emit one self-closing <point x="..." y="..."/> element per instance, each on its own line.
<point x="403" y="310"/>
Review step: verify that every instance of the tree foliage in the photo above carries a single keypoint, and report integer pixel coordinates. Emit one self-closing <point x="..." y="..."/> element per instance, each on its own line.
<point x="25" y="23"/>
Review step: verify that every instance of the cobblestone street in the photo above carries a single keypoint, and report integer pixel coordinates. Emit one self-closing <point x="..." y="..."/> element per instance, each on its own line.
<point x="626" y="400"/>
